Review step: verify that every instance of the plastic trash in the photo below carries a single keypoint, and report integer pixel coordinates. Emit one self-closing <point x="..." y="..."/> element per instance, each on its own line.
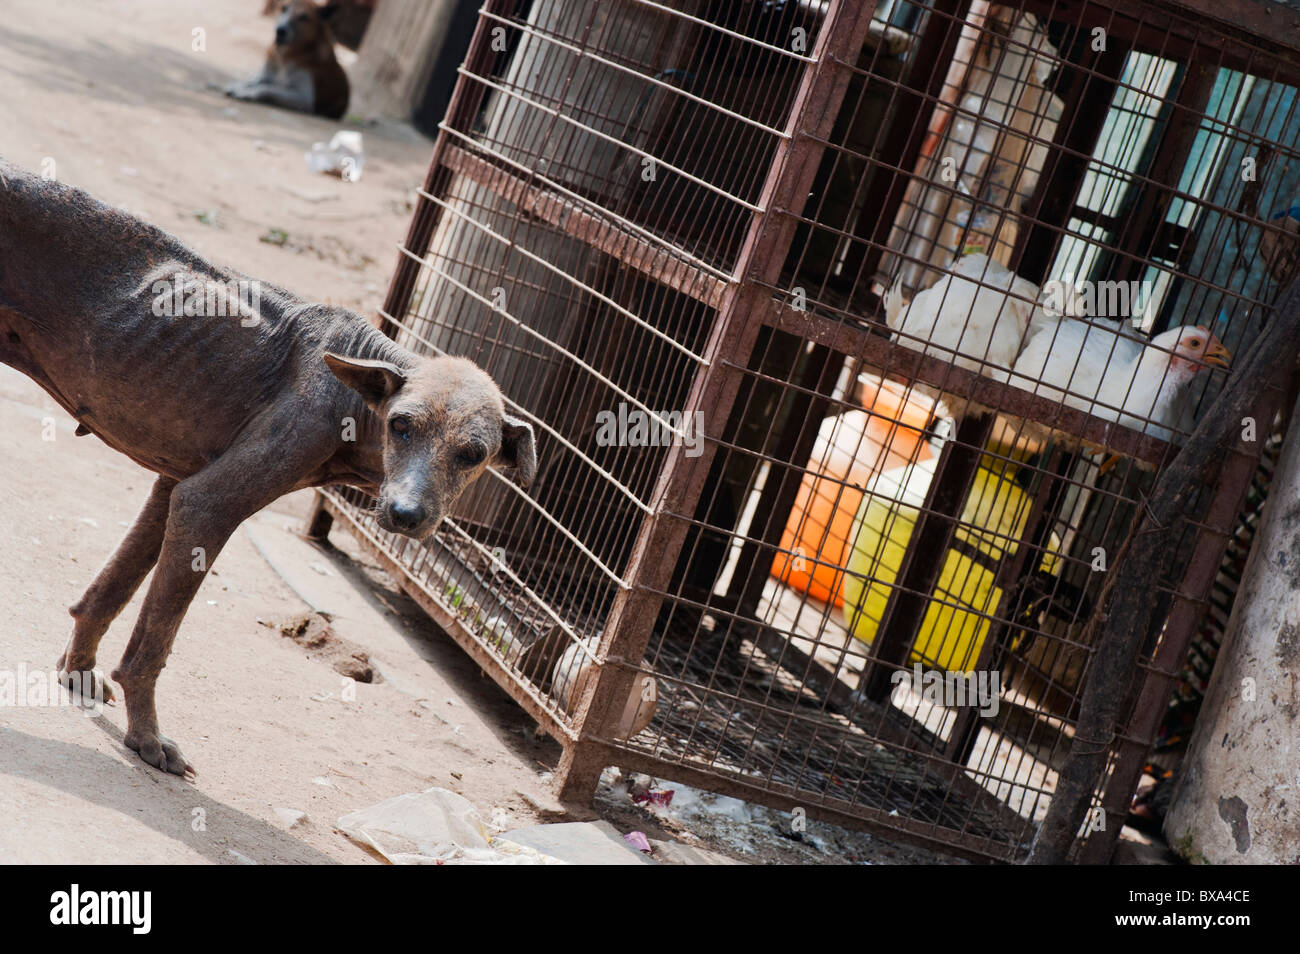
<point x="343" y="156"/>
<point x="638" y="840"/>
<point x="433" y="827"/>
<point x="654" y="796"/>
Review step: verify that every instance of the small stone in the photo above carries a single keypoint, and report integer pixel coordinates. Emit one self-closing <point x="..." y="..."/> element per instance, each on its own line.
<point x="356" y="667"/>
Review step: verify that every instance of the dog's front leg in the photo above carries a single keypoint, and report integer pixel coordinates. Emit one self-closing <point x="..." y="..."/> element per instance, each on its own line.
<point x="297" y="95"/>
<point x="198" y="525"/>
<point x="203" y="511"/>
<point x="241" y="89"/>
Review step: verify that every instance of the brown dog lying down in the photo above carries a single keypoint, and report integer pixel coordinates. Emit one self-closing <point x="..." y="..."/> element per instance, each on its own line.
<point x="234" y="392"/>
<point x="301" y="71"/>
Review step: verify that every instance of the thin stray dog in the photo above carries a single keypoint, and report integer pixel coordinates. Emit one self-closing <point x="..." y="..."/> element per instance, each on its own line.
<point x="233" y="403"/>
<point x="301" y="71"/>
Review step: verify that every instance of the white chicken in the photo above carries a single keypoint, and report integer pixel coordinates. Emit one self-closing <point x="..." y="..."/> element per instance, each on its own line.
<point x="1096" y="367"/>
<point x="977" y="317"/>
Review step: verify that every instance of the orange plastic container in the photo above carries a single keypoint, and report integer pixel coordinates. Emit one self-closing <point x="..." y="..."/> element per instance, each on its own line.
<point x="853" y="447"/>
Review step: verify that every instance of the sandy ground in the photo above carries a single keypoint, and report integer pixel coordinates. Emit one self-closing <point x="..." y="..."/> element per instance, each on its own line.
<point x="115" y="96"/>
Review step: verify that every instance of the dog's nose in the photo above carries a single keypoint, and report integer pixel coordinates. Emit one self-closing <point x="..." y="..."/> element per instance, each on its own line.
<point x="279" y="34"/>
<point x="405" y="515"/>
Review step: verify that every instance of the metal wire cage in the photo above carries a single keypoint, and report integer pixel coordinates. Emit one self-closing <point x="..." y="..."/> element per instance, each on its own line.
<point x="831" y="477"/>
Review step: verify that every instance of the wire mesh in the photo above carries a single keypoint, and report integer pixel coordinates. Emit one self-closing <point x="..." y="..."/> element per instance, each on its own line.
<point x="853" y="334"/>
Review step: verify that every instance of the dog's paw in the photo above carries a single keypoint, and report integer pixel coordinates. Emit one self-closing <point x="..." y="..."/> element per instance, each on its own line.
<point x="160" y="752"/>
<point x="87" y="685"/>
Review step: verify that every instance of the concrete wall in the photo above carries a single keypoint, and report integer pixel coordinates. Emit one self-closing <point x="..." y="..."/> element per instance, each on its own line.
<point x="1238" y="800"/>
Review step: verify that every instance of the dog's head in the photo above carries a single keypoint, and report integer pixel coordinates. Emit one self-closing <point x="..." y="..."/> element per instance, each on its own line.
<point x="444" y="423"/>
<point x="303" y="25"/>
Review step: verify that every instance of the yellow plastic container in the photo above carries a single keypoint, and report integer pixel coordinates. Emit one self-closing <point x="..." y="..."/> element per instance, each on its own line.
<point x="952" y="633"/>
<point x="851" y="449"/>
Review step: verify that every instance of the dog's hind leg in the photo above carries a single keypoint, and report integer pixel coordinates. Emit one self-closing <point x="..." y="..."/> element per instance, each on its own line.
<point x="112" y="589"/>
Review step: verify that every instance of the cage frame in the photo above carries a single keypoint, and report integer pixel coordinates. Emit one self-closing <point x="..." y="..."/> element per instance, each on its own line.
<point x="748" y="301"/>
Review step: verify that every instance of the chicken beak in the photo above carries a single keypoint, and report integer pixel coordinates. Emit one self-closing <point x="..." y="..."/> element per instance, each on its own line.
<point x="1218" y="355"/>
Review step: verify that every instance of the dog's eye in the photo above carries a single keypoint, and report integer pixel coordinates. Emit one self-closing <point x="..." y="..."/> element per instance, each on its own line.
<point x="471" y="456"/>
<point x="401" y="426"/>
<point x="302" y="18"/>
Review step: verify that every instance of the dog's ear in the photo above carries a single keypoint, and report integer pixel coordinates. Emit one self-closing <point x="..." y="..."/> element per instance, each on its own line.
<point x="518" y="454"/>
<point x="375" y="381"/>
